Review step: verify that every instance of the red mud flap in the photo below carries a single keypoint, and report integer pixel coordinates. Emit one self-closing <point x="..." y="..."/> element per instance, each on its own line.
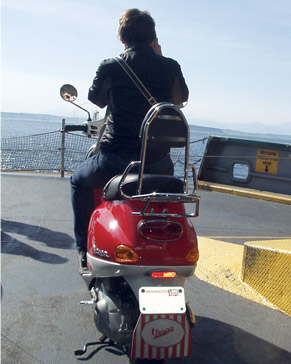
<point x="162" y="337"/>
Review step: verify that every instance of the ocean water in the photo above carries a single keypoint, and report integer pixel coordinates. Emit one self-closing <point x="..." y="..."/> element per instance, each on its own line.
<point x="16" y="125"/>
<point x="21" y="126"/>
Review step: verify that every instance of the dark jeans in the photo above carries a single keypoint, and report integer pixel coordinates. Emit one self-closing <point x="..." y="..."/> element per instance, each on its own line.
<point x="94" y="173"/>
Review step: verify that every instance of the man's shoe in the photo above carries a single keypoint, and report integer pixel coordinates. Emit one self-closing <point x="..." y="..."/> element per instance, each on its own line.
<point x="82" y="259"/>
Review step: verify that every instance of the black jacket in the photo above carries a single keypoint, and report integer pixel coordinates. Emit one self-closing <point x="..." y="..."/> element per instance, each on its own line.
<point x="112" y="86"/>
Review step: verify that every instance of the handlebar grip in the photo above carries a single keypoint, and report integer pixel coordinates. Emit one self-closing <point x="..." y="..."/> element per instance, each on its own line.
<point x="75" y="128"/>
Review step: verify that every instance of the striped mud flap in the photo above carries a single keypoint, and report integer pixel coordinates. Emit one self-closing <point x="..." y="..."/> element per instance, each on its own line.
<point x="163" y="336"/>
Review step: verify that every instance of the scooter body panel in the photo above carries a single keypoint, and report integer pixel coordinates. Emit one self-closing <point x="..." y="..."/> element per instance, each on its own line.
<point x="113" y="224"/>
<point x="135" y="276"/>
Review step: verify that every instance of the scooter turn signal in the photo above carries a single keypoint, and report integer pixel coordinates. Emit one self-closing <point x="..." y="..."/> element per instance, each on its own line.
<point x="193" y="255"/>
<point x="124" y="254"/>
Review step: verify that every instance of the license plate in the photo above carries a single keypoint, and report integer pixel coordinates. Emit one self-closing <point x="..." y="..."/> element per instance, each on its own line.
<point x="158" y="300"/>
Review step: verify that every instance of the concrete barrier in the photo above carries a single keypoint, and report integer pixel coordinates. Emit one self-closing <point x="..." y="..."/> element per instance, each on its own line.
<point x="259" y="271"/>
<point x="267" y="269"/>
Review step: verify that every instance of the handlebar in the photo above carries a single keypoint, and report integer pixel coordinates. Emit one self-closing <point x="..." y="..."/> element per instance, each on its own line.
<point x="75" y="128"/>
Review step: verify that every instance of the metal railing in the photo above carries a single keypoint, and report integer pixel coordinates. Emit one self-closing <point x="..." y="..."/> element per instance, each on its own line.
<point x="57" y="152"/>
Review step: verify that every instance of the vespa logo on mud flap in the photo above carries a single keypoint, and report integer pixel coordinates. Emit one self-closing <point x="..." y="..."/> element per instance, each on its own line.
<point x="158" y="333"/>
<point x="163" y="333"/>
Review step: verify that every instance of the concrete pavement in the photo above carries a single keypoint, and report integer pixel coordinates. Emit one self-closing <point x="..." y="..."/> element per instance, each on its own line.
<point x="42" y="321"/>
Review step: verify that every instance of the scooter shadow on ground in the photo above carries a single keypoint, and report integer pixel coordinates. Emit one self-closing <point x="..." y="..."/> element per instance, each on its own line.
<point x="215" y="342"/>
<point x="53" y="239"/>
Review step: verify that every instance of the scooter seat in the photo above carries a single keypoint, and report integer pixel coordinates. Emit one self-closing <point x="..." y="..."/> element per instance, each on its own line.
<point x="151" y="183"/>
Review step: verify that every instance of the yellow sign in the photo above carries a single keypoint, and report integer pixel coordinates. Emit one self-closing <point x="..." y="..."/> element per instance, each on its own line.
<point x="267" y="161"/>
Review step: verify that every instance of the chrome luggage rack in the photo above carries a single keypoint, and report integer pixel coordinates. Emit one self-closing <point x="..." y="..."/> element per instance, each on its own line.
<point x="178" y="136"/>
<point x="158" y="197"/>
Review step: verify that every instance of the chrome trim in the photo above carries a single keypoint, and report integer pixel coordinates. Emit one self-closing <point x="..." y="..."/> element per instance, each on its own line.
<point x="169" y="117"/>
<point x="160" y="221"/>
<point x="171" y="198"/>
<point x="172" y="139"/>
<point x="150" y="116"/>
<point x="99" y="252"/>
<point x="195" y="181"/>
<point x="154" y="197"/>
<point x="105" y="268"/>
<point x="122" y="180"/>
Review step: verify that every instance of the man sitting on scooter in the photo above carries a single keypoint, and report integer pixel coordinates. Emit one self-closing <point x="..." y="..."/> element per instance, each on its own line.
<point x="127" y="107"/>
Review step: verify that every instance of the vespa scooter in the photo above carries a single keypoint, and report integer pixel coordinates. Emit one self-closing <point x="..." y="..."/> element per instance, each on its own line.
<point x="142" y="246"/>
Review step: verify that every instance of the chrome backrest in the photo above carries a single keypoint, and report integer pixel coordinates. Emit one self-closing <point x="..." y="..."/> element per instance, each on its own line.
<point x="164" y="126"/>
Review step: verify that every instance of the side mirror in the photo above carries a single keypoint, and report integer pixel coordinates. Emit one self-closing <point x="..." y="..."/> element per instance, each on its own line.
<point x="68" y="93"/>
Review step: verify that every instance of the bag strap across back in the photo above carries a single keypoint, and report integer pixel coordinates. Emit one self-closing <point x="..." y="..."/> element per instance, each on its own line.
<point x="151" y="100"/>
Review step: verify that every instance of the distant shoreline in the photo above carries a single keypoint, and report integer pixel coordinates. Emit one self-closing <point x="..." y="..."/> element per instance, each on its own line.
<point x="41" y="123"/>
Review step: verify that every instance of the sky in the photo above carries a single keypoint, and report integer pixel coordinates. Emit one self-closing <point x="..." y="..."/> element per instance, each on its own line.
<point x="235" y="55"/>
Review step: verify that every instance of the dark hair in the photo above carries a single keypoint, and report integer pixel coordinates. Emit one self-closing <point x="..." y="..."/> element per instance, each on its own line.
<point x="136" y="26"/>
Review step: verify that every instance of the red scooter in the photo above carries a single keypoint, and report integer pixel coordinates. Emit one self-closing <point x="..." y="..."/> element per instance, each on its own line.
<point x="141" y="247"/>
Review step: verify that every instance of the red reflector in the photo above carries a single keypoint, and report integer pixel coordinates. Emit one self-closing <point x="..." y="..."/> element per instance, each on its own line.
<point x="164" y="274"/>
<point x="161" y="230"/>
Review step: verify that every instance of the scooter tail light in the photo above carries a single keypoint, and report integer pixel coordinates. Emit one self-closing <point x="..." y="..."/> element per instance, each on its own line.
<point x="167" y="274"/>
<point x="125" y="254"/>
<point x="161" y="230"/>
<point x="193" y="255"/>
